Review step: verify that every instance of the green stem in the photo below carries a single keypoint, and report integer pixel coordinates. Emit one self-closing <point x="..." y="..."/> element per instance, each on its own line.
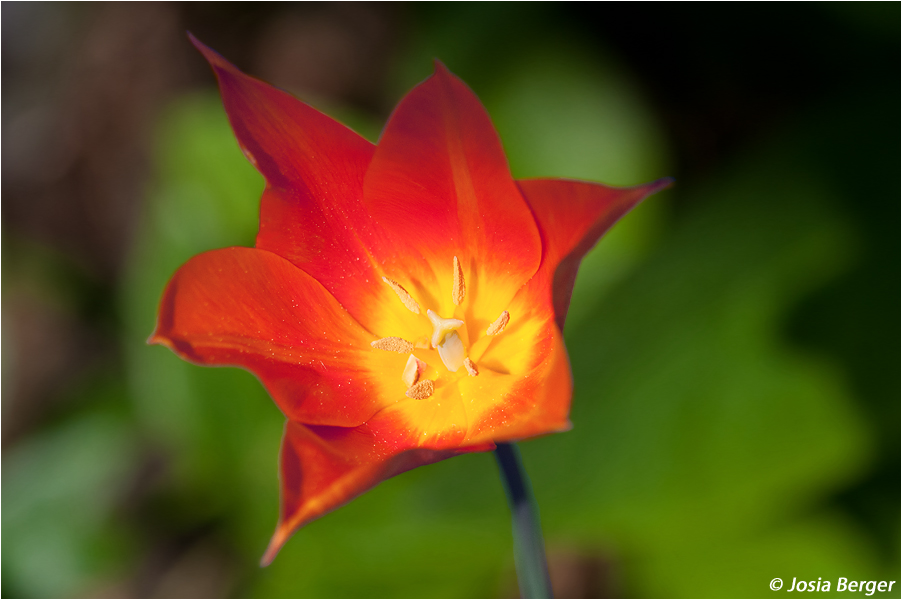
<point x="529" y="547"/>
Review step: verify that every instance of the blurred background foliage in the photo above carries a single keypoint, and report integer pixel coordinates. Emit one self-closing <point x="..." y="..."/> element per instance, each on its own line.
<point x="734" y="341"/>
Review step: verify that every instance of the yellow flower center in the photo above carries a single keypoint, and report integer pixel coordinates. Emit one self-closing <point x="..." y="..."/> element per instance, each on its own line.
<point x="445" y="338"/>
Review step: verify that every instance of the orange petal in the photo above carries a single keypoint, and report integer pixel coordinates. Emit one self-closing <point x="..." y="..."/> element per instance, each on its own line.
<point x="322" y="468"/>
<point x="439" y="422"/>
<point x="253" y="309"/>
<point x="311" y="211"/>
<point x="440" y="186"/>
<point x="529" y="402"/>
<point x="572" y="216"/>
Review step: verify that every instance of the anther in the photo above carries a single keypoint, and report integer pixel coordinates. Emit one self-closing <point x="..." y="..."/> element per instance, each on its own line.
<point x="412" y="370"/>
<point x="421" y="390"/>
<point x="409" y="302"/>
<point x="471" y="367"/>
<point x="459" y="290"/>
<point x="393" y="344"/>
<point x="499" y="324"/>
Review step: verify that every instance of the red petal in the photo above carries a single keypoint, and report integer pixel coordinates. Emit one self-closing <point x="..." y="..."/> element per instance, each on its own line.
<point x="572" y="216"/>
<point x="314" y="167"/>
<point x="440" y="186"/>
<point x="253" y="309"/>
<point x="322" y="468"/>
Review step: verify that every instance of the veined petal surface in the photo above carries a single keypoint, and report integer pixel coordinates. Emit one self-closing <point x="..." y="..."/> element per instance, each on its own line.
<point x="311" y="211"/>
<point x="530" y="394"/>
<point x="322" y="468"/>
<point x="572" y="216"/>
<point x="440" y="186"/>
<point x="254" y="309"/>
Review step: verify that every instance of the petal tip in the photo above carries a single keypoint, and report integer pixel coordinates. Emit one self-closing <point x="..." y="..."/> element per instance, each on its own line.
<point x="213" y="57"/>
<point x="268" y="557"/>
<point x="156" y="339"/>
<point x="275" y="545"/>
<point x="202" y="47"/>
<point x="661" y="184"/>
<point x="443" y="73"/>
<point x="439" y="66"/>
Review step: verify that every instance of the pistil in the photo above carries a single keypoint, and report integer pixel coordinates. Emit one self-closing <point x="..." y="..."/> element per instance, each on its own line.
<point x="446" y="341"/>
<point x="441" y="327"/>
<point x="452" y="352"/>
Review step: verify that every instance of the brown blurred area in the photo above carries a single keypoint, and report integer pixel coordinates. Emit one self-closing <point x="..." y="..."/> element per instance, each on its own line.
<point x="82" y="86"/>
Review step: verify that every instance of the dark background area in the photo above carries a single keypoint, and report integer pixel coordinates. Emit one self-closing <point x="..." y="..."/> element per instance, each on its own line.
<point x="735" y="346"/>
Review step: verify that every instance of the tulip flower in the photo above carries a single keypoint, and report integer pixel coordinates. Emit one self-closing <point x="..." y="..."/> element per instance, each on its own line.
<point x="404" y="301"/>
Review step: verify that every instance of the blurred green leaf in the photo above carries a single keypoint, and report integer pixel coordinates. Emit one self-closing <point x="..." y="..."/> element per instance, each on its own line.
<point x="563" y="112"/>
<point x="219" y="427"/>
<point x="696" y="426"/>
<point x="59" y="490"/>
<point x="206" y="196"/>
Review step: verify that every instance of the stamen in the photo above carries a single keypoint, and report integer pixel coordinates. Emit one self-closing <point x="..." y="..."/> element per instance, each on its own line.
<point x="471" y="367"/>
<point x="409" y="302"/>
<point x="499" y="324"/>
<point x="393" y="344"/>
<point x="412" y="370"/>
<point x="459" y="290"/>
<point x="422" y="390"/>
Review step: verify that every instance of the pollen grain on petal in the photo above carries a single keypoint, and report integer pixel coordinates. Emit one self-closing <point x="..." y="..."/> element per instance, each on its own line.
<point x="459" y="290"/>
<point x="408" y="301"/>
<point x="421" y="390"/>
<point x="499" y="324"/>
<point x="393" y="344"/>
<point x="470" y="366"/>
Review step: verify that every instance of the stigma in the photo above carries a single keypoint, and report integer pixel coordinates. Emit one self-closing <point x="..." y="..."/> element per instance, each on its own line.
<point x="441" y="327"/>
